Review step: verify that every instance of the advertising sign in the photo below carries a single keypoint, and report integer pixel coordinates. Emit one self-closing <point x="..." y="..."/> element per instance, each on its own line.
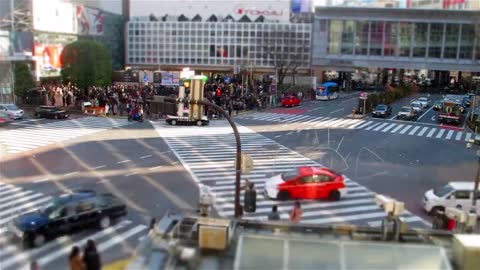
<point x="170" y="78"/>
<point x="301" y="6"/>
<point x="22" y="45"/>
<point x="54" y="16"/>
<point x="4" y="44"/>
<point x="90" y="21"/>
<point x="48" y="49"/>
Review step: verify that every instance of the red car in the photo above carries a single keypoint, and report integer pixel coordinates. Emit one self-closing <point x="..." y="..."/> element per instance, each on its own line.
<point x="306" y="183"/>
<point x="290" y="101"/>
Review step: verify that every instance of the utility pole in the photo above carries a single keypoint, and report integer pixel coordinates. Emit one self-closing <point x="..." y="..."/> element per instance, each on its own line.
<point x="12" y="31"/>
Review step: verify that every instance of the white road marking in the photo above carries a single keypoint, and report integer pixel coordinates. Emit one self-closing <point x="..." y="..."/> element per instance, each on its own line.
<point x="380" y="127"/>
<point x="348" y="100"/>
<point x="365" y="124"/>
<point x="397" y="128"/>
<point x="425" y="113"/>
<point x="422" y="131"/>
<point x="433" y="118"/>
<point x="449" y="134"/>
<point x="147" y="156"/>
<point x="345" y="219"/>
<point x="440" y="133"/>
<point x="15" y="195"/>
<point x="130" y="174"/>
<point x="339" y="110"/>
<point x="99" y="167"/>
<point x="123" y="161"/>
<point x="278" y="136"/>
<point x="430" y="134"/>
<point x="41" y="180"/>
<point x="413" y="130"/>
<point x="154" y="168"/>
<point x="459" y="136"/>
<point x="372" y="126"/>
<point x="468" y="136"/>
<point x="70" y="174"/>
<point x="9" y="189"/>
<point x="389" y="127"/>
<point x="405" y="129"/>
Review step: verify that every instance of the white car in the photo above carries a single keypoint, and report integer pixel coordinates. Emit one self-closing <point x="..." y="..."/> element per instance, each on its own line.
<point x="12" y="110"/>
<point x="424" y="101"/>
<point x="417" y="106"/>
<point x="454" y="194"/>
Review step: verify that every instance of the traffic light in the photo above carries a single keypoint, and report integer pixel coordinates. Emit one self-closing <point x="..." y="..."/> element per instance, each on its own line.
<point x="219" y="92"/>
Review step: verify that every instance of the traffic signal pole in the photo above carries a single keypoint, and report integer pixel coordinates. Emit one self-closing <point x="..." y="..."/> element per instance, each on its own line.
<point x="238" y="161"/>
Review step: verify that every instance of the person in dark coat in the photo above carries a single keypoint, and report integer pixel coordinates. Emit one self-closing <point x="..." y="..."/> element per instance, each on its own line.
<point x="91" y="257"/>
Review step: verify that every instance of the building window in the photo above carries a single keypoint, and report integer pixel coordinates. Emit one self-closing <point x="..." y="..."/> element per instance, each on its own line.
<point x="451" y="41"/>
<point x="420" y="41"/>
<point x="405" y="31"/>
<point x="391" y="39"/>
<point x="361" y="38"/>
<point x="376" y="38"/>
<point x="348" y="37"/>
<point x="436" y="40"/>
<point x="335" y="36"/>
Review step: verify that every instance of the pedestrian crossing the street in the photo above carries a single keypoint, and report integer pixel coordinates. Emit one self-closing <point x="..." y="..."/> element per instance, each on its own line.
<point x="208" y="154"/>
<point x="35" y="136"/>
<point x="15" y="201"/>
<point x="414" y="129"/>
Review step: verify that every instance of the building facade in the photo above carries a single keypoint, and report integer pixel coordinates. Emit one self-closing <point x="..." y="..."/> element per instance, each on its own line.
<point x="216" y="45"/>
<point x="344" y="38"/>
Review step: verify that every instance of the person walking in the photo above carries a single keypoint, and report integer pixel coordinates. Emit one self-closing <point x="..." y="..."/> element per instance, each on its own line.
<point x="91" y="257"/>
<point x="274" y="215"/>
<point x="76" y="262"/>
<point x="296" y="214"/>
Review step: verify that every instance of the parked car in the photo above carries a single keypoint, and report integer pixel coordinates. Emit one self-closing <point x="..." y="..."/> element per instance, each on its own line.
<point x="424" y="101"/>
<point x="65" y="214"/>
<point x="437" y="105"/>
<point x="454" y="194"/>
<point x="382" y="110"/>
<point x="50" y="112"/>
<point x="417" y="106"/>
<point x="13" y="110"/>
<point x="407" y="113"/>
<point x="5" y="118"/>
<point x="290" y="101"/>
<point x="306" y="183"/>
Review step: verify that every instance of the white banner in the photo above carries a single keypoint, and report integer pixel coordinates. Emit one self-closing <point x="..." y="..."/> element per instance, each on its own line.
<point x="54" y="16"/>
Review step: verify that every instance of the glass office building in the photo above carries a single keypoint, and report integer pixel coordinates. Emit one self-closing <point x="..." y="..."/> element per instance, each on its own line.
<point x="216" y="45"/>
<point x="412" y="39"/>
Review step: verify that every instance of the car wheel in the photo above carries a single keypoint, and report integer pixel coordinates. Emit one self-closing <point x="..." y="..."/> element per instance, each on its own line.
<point x="36" y="115"/>
<point x="199" y="123"/>
<point x="334" y="195"/>
<point x="435" y="210"/>
<point x="283" y="195"/>
<point x="104" y="223"/>
<point x="38" y="240"/>
<point x="173" y="122"/>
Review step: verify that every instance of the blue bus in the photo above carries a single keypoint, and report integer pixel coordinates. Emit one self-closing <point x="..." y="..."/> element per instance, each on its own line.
<point x="326" y="91"/>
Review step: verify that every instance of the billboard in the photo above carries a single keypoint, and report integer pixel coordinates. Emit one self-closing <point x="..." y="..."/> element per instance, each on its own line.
<point x="55" y="16"/>
<point x="301" y="6"/>
<point x="4" y="44"/>
<point x="22" y="45"/>
<point x="90" y="21"/>
<point x="48" y="49"/>
<point x="271" y="10"/>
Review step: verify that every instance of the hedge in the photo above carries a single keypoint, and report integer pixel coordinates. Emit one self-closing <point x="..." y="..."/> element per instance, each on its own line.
<point x="387" y="97"/>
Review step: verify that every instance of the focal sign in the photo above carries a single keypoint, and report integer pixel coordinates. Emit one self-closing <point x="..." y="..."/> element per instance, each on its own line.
<point x="258" y="12"/>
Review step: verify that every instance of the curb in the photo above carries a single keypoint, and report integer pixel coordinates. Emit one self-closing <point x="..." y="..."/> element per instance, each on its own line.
<point x="356" y="116"/>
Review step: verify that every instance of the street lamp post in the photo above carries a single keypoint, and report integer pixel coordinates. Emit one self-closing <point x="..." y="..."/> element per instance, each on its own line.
<point x="238" y="161"/>
<point x="477" y="178"/>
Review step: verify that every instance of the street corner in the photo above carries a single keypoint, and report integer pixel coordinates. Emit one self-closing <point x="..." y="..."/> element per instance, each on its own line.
<point x="288" y="111"/>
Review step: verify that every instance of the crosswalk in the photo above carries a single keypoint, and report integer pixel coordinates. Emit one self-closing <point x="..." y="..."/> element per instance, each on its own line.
<point x="208" y="153"/>
<point x="35" y="136"/>
<point x="15" y="201"/>
<point x="414" y="129"/>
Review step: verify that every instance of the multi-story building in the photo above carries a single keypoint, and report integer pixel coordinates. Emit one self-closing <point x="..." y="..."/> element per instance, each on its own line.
<point x="214" y="35"/>
<point x="444" y="4"/>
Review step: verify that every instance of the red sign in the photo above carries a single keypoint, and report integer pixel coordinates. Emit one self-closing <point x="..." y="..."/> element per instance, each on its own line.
<point x="256" y="12"/>
<point x="449" y="3"/>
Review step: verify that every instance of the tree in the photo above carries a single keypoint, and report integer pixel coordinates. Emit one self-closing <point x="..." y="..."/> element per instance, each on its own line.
<point x="24" y="80"/>
<point x="86" y="63"/>
<point x="284" y="51"/>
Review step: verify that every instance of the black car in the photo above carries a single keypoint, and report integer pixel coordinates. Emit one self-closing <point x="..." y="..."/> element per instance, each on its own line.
<point x="382" y="110"/>
<point x="50" y="112"/>
<point x="65" y="214"/>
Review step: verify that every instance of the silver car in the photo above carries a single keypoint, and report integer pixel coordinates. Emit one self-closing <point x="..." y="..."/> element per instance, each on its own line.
<point x="424" y="101"/>
<point x="12" y="110"/>
<point x="417" y="106"/>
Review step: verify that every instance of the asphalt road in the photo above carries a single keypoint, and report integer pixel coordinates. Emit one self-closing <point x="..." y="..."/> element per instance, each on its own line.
<point x="403" y="166"/>
<point x="131" y="162"/>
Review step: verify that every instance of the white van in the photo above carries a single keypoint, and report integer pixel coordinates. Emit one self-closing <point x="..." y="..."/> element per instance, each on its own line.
<point x="454" y="194"/>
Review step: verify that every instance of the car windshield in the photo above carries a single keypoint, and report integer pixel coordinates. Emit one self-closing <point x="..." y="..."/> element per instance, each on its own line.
<point x="289" y="175"/>
<point x="11" y="107"/>
<point x="381" y="108"/>
<point x="54" y="205"/>
<point x="442" y="191"/>
<point x="405" y="109"/>
<point x="422" y="99"/>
